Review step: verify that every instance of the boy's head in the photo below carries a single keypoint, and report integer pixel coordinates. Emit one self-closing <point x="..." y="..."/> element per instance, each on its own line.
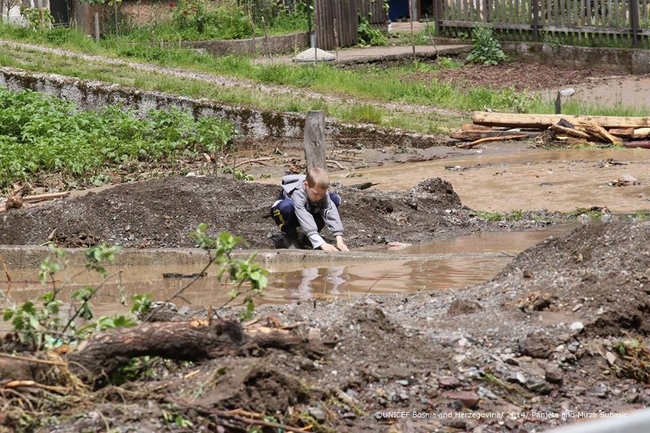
<point x="316" y="184"/>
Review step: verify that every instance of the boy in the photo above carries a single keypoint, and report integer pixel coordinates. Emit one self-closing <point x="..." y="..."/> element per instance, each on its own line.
<point x="304" y="202"/>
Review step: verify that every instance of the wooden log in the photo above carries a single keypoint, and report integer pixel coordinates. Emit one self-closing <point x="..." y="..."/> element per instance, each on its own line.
<point x="472" y="127"/>
<point x="600" y="133"/>
<point x="105" y="352"/>
<point x="543" y="121"/>
<point x="622" y="132"/>
<point x="640" y="133"/>
<point x="314" y="140"/>
<point x="630" y="133"/>
<point x="570" y="131"/>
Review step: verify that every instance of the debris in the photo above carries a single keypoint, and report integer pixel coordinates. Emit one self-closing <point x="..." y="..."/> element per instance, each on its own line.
<point x="554" y="128"/>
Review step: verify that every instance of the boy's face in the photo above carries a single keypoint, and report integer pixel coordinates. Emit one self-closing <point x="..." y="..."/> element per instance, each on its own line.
<point x="315" y="193"/>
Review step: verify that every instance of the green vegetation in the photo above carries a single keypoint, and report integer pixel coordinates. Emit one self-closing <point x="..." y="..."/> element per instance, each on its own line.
<point x="42" y="324"/>
<point x="516" y="215"/>
<point x="404" y="85"/>
<point x="486" y="49"/>
<point x="41" y="134"/>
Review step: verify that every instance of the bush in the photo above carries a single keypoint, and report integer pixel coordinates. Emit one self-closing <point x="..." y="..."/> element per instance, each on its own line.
<point x="487" y="49"/>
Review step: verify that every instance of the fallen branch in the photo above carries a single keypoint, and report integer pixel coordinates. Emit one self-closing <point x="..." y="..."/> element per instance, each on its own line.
<point x="488" y="139"/>
<point x="331" y="161"/>
<point x="34" y="360"/>
<point x="255" y="161"/>
<point x="41" y="197"/>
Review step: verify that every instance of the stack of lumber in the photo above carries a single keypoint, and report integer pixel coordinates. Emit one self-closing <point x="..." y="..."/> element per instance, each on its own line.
<point x="618" y="131"/>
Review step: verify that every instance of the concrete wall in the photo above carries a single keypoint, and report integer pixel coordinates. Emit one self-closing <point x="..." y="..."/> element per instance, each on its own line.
<point x="291" y="43"/>
<point x="634" y="61"/>
<point x="251" y="123"/>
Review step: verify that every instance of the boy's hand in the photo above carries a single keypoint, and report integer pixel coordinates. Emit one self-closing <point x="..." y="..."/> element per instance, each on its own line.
<point x="340" y="244"/>
<point x="329" y="248"/>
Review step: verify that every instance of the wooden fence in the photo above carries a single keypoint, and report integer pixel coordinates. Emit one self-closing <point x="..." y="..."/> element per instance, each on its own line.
<point x="336" y="22"/>
<point x="580" y="22"/>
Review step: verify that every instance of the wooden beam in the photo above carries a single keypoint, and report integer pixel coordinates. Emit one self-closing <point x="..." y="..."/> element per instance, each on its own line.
<point x="543" y="121"/>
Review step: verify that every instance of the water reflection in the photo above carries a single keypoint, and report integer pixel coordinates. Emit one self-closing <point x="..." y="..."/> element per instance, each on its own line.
<point x="307" y="283"/>
<point x="455" y="263"/>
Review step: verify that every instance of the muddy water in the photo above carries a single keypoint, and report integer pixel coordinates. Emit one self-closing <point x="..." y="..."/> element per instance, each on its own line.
<point x="506" y="177"/>
<point x="623" y="91"/>
<point x="456" y="263"/>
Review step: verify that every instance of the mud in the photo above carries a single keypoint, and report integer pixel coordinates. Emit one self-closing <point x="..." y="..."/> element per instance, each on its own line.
<point x="537" y="346"/>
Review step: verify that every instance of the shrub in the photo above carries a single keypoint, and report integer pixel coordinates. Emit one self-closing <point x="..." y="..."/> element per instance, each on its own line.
<point x="486" y="49"/>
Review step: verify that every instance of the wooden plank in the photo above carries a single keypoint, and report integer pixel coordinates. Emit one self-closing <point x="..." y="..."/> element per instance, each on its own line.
<point x="546" y="120"/>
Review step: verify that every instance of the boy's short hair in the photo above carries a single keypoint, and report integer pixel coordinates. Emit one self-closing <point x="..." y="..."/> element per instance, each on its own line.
<point x="318" y="177"/>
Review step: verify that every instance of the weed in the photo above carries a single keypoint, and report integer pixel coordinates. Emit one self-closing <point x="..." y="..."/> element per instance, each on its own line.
<point x="635" y="358"/>
<point x="486" y="49"/>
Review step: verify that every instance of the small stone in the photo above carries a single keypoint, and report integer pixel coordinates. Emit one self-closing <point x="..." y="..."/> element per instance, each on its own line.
<point x="554" y="375"/>
<point x="611" y="358"/>
<point x="318" y="413"/>
<point x="540" y="388"/>
<point x="577" y="326"/>
<point x="539" y="346"/>
<point x="448" y="382"/>
<point x="467" y="398"/>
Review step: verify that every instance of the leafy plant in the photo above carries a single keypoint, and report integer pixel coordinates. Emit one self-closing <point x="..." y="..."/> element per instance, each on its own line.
<point x="486" y="49"/>
<point x="369" y="36"/>
<point x="38" y="18"/>
<point x="246" y="277"/>
<point x="45" y="326"/>
<point x="39" y="133"/>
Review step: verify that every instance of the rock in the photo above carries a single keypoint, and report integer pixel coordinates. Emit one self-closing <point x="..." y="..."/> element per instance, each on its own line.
<point x="469" y="399"/>
<point x="540" y="387"/>
<point x="611" y="358"/>
<point x="449" y="382"/>
<point x="318" y="413"/>
<point x="539" y="346"/>
<point x="463" y="306"/>
<point x="554" y="375"/>
<point x="577" y="326"/>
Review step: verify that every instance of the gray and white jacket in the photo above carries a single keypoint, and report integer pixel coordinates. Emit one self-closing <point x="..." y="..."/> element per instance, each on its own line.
<point x="293" y="187"/>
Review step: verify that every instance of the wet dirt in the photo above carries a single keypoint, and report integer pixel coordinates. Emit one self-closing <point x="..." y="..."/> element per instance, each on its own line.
<point x="536" y="346"/>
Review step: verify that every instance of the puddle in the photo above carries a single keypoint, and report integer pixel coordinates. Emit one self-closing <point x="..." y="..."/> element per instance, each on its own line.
<point x="456" y="263"/>
<point x="507" y="177"/>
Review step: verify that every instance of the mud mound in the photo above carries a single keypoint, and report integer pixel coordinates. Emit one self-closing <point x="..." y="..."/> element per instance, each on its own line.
<point x="161" y="213"/>
<point x="600" y="271"/>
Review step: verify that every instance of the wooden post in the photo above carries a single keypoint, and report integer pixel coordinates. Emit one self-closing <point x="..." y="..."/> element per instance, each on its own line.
<point x="96" y="27"/>
<point x="314" y="140"/>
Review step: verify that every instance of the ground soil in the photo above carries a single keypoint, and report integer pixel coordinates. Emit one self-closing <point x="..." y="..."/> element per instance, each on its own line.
<point x="539" y="345"/>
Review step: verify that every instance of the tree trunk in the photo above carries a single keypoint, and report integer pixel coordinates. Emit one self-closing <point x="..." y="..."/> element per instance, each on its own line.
<point x="103" y="353"/>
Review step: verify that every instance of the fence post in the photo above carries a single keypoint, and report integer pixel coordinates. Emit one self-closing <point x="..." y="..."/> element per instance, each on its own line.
<point x="634" y="18"/>
<point x="314" y="140"/>
<point x="536" y="20"/>
<point x="437" y="10"/>
<point x="96" y="27"/>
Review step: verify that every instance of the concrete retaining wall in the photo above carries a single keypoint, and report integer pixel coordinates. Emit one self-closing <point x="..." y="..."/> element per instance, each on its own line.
<point x="250" y="123"/>
<point x="291" y="43"/>
<point x="634" y="61"/>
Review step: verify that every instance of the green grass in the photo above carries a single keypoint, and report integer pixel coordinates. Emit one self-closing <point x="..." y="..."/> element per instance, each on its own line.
<point x="369" y="86"/>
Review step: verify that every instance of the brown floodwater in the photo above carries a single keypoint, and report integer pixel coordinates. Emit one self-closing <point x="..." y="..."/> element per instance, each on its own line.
<point x="455" y="263"/>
